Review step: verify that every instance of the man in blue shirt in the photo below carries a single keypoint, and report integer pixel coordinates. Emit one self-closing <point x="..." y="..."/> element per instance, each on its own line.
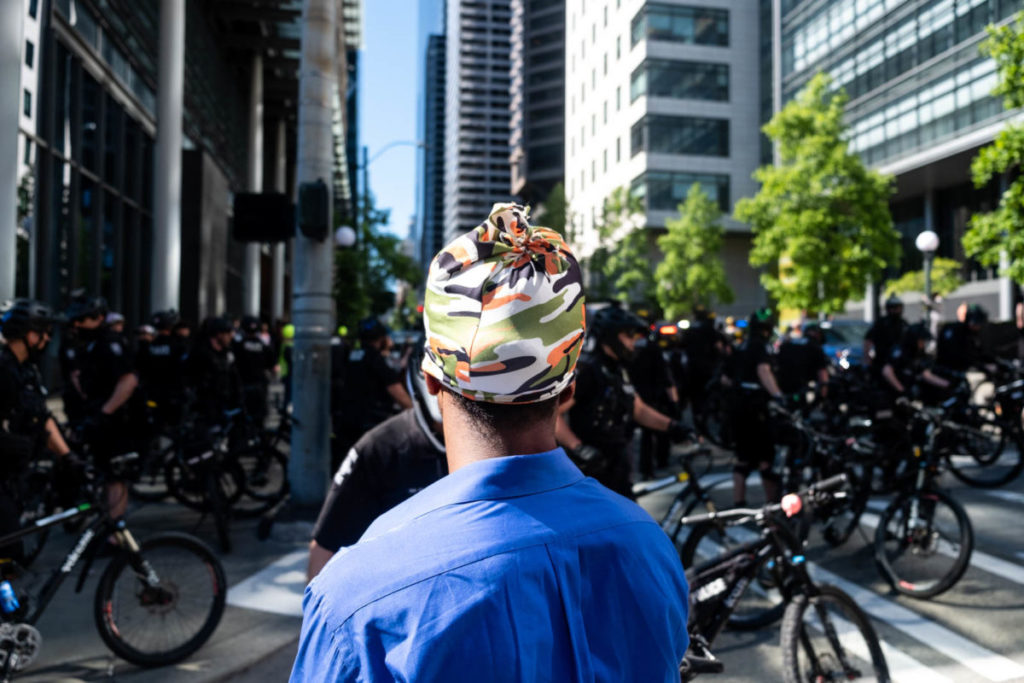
<point x="514" y="567"/>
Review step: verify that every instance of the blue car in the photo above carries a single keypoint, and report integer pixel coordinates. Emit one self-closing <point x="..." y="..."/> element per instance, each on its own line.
<point x="844" y="341"/>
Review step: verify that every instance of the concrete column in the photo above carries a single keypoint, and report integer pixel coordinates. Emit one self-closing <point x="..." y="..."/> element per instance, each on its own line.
<point x="166" y="282"/>
<point x="1005" y="283"/>
<point x="251" y="275"/>
<point x="11" y="40"/>
<point x="870" y="301"/>
<point x="280" y="181"/>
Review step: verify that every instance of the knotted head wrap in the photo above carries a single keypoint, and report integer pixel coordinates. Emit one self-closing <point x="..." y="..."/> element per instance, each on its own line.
<point x="503" y="311"/>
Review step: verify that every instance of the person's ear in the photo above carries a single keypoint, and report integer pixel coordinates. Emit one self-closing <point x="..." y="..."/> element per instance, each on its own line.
<point x="433" y="386"/>
<point x="567" y="394"/>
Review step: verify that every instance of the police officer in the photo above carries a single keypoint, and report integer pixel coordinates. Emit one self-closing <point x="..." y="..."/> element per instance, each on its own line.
<point x="908" y="364"/>
<point x="108" y="379"/>
<point x="211" y="372"/>
<point x="959" y="344"/>
<point x="86" y="314"/>
<point x="596" y="425"/>
<point x="388" y="464"/>
<point x="801" y="361"/>
<point x="703" y="353"/>
<point x="255" y="361"/>
<point x="756" y="386"/>
<point x="884" y="336"/>
<point x="161" y="367"/>
<point x="375" y="386"/>
<point x="654" y="383"/>
<point x="26" y="425"/>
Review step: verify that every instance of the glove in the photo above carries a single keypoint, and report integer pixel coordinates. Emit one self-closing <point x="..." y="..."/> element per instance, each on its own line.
<point x="585" y="454"/>
<point x="678" y="432"/>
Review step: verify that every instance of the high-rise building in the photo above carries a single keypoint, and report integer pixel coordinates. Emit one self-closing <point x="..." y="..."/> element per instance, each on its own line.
<point x="538" y="98"/>
<point x="659" y="96"/>
<point x="430" y="213"/>
<point x="920" y="105"/>
<point x="476" y="167"/>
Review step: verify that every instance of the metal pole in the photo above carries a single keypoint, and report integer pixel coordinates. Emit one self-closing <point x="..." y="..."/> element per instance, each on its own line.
<point x="252" y="249"/>
<point x="312" y="305"/>
<point x="280" y="181"/>
<point x="928" y="256"/>
<point x="1005" y="283"/>
<point x="166" y="283"/>
<point x="11" y="40"/>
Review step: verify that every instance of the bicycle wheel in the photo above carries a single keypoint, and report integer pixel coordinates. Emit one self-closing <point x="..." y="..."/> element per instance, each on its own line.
<point x="762" y="603"/>
<point x="265" y="480"/>
<point x="156" y="625"/>
<point x="981" y="455"/>
<point x="841" y="517"/>
<point x="187" y="484"/>
<point x="923" y="543"/>
<point x="827" y="637"/>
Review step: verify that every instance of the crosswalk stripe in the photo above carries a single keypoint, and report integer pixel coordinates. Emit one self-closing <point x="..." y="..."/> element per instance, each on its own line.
<point x="982" y="560"/>
<point x="1008" y="496"/>
<point x="277" y="588"/>
<point x="982" y="661"/>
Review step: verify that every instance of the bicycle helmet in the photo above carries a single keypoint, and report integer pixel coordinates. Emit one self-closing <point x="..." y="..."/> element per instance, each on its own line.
<point x="24" y="316"/>
<point x="917" y="332"/>
<point x="894" y="305"/>
<point x="425" y="406"/>
<point x="976" y="315"/>
<point x="165" y="320"/>
<point x="85" y="306"/>
<point x="760" y="321"/>
<point x="607" y="323"/>
<point x="288" y="331"/>
<point x="217" y="325"/>
<point x="250" y="324"/>
<point x="371" y="329"/>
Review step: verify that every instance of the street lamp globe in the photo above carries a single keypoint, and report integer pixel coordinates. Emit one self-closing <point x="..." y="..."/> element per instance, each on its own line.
<point x="927" y="242"/>
<point x="345" y="237"/>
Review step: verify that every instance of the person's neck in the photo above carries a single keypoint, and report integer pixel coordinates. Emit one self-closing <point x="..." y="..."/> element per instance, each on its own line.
<point x="19" y="349"/>
<point x="465" y="443"/>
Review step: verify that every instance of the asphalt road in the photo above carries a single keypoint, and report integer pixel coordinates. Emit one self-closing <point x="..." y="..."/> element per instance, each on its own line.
<point x="973" y="632"/>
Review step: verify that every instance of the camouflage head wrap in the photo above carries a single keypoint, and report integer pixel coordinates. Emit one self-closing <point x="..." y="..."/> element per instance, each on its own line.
<point x="504" y="311"/>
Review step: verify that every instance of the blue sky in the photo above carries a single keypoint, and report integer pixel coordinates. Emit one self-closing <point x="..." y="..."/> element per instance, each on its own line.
<point x="388" y="104"/>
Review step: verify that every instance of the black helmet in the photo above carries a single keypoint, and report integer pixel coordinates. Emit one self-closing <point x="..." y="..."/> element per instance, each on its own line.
<point x="217" y="325"/>
<point x="893" y="304"/>
<point x="165" y="320"/>
<point x="917" y="332"/>
<point x="424" y="406"/>
<point x="976" y="315"/>
<point x="606" y="324"/>
<point x="250" y="324"/>
<point x="760" y="321"/>
<point x="24" y="316"/>
<point x="700" y="312"/>
<point x="85" y="306"/>
<point x="371" y="329"/>
<point x="814" y="329"/>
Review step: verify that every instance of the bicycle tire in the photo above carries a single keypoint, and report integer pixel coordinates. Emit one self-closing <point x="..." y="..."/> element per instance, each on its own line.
<point x="191" y="578"/>
<point x="805" y="658"/>
<point x="762" y="604"/>
<point x="922" y="575"/>
<point x="265" y="482"/>
<point x="220" y="509"/>
<point x="973" y="464"/>
<point x="187" y="485"/>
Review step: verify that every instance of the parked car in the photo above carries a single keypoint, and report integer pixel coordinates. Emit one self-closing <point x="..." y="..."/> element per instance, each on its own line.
<point x="844" y="341"/>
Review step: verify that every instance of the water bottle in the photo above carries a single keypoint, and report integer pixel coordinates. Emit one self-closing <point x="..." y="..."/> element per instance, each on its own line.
<point x="8" y="600"/>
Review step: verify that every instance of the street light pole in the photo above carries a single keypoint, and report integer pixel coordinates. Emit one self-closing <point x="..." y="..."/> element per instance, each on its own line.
<point x="927" y="243"/>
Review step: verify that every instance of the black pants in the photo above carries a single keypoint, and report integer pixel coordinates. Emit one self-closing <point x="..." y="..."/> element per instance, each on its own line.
<point x="10" y="514"/>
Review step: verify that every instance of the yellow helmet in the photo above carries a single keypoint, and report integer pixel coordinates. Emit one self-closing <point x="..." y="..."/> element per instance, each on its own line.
<point x="288" y="331"/>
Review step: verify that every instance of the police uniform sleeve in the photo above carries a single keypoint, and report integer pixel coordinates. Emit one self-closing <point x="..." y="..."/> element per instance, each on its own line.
<point x="122" y="360"/>
<point x="381" y="371"/>
<point x="351" y="503"/>
<point x="9" y="390"/>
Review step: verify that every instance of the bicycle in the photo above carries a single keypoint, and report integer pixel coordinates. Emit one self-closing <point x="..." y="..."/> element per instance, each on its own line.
<point x="825" y="636"/>
<point x="156" y="603"/>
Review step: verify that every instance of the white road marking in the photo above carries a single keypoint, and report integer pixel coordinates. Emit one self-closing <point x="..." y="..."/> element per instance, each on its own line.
<point x="277" y="588"/>
<point x="982" y="560"/>
<point x="1008" y="496"/>
<point x="982" y="661"/>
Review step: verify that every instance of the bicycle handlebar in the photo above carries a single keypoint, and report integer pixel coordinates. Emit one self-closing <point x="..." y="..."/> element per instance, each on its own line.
<point x="823" y="486"/>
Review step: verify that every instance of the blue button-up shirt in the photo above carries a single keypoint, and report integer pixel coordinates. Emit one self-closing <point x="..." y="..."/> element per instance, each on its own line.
<point x="509" y="569"/>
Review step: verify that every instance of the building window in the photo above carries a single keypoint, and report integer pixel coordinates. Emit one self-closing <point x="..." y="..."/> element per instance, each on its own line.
<point x="605" y="112"/>
<point x="665" y="191"/>
<point x="605" y="63"/>
<point x="606" y="15"/>
<point x="593" y="79"/>
<point x="583" y="136"/>
<point x="593" y="170"/>
<point x="618" y="98"/>
<point x="582" y="180"/>
<point x="27" y="159"/>
<point x="30" y="53"/>
<point x="618" y="47"/>
<point x="680" y="135"/>
<point x="605" y="153"/>
<point x="593" y="33"/>
<point x="672" y="23"/>
<point x="583" y="92"/>
<point x="593" y="124"/>
<point x="680" y="80"/>
<point x="618" y="150"/>
<point x="33" y="8"/>
<point x="26" y="103"/>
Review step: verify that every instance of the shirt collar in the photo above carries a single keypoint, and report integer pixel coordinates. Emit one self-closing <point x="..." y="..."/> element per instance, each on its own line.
<point x="491" y="479"/>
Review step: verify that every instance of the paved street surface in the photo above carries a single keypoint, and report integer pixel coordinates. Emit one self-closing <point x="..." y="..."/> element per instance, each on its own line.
<point x="971" y="633"/>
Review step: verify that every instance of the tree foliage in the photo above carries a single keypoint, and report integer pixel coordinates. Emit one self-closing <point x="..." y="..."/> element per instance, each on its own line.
<point x="364" y="275"/>
<point x="1001" y="230"/>
<point x="622" y="262"/>
<point x="692" y="272"/>
<point x="819" y="210"/>
<point x="945" y="279"/>
<point x="554" y="212"/>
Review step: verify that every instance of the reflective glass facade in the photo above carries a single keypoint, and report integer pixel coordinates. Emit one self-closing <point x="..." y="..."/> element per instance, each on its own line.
<point x="680" y="80"/>
<point x="680" y="24"/>
<point x="680" y="135"/>
<point x="665" y="191"/>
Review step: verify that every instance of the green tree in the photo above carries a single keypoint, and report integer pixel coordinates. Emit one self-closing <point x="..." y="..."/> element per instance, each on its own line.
<point x="692" y="272"/>
<point x="945" y="279"/>
<point x="1002" y="230"/>
<point x="364" y="275"/>
<point x="623" y="261"/>
<point x="554" y="211"/>
<point x="819" y="210"/>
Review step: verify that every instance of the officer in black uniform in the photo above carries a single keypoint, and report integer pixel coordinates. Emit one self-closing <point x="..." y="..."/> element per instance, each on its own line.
<point x="388" y="464"/>
<point x="161" y="366"/>
<point x="908" y="364"/>
<point x="596" y="425"/>
<point x="86" y="314"/>
<point x="653" y="380"/>
<point x="703" y="353"/>
<point x="255" y="361"/>
<point x="802" y="361"/>
<point x="26" y="425"/>
<point x="211" y="372"/>
<point x="755" y="386"/>
<point x="884" y="336"/>
<point x="959" y="345"/>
